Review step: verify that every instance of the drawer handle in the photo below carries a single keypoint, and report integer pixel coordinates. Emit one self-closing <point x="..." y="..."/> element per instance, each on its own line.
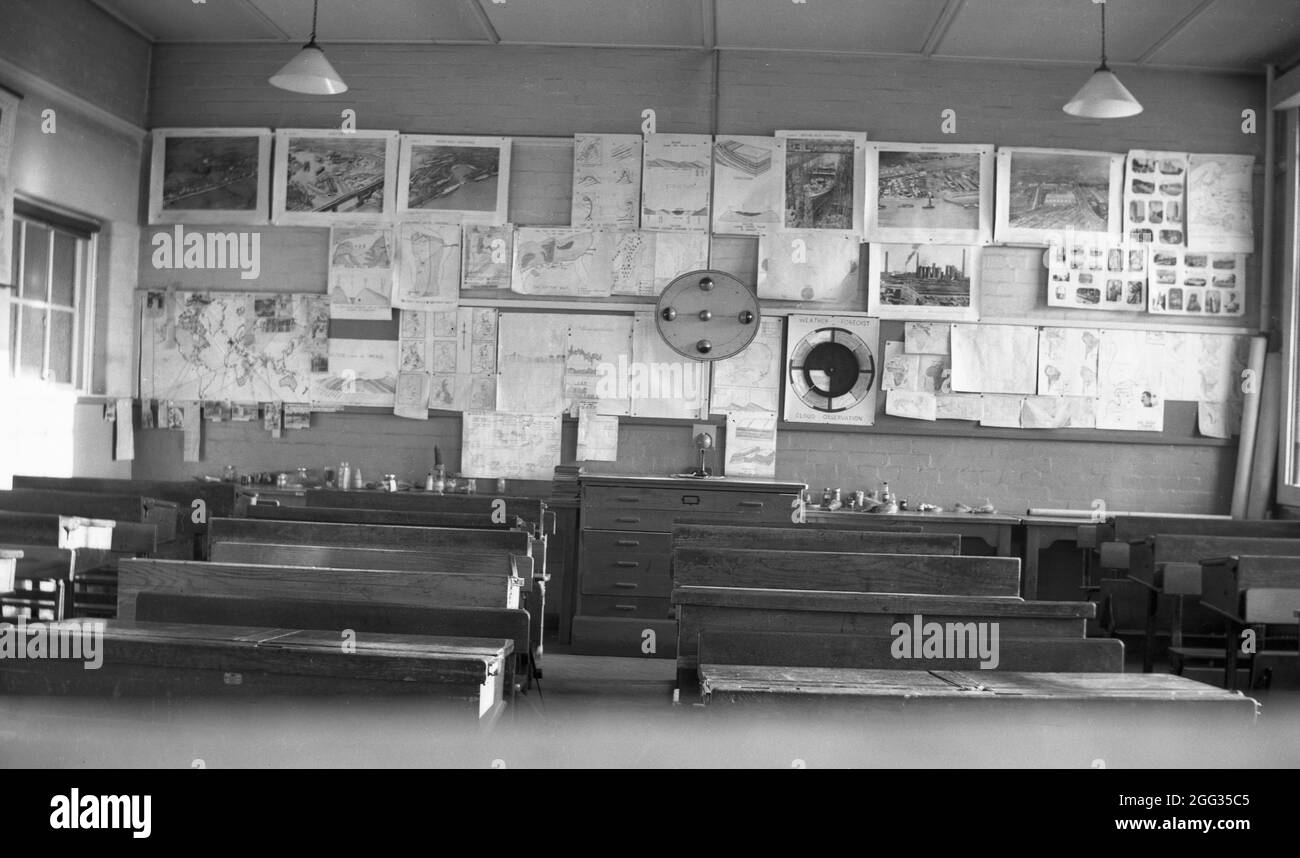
<point x="625" y="607"/>
<point x="627" y="520"/>
<point x="624" y="585"/>
<point x="752" y="504"/>
<point x="628" y="499"/>
<point x="627" y="564"/>
<point x="691" y="500"/>
<point x="628" y="543"/>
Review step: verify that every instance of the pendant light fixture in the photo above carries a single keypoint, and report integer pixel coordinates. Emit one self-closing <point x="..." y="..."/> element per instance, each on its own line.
<point x="310" y="72"/>
<point x="1103" y="96"/>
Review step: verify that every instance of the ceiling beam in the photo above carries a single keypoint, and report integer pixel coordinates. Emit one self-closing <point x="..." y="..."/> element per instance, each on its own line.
<point x="709" y="22"/>
<point x="476" y="6"/>
<point x="939" y="31"/>
<point x="256" y="12"/>
<point x="124" y="21"/>
<point x="1174" y="31"/>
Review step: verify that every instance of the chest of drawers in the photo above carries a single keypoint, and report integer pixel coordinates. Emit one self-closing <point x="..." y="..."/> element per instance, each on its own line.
<point x="624" y="574"/>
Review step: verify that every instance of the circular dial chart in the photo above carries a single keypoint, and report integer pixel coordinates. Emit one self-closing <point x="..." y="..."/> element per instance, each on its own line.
<point x="707" y="315"/>
<point x="832" y="369"/>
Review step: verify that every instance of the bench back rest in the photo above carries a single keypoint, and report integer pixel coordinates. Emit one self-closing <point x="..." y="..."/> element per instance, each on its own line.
<point x="814" y="539"/>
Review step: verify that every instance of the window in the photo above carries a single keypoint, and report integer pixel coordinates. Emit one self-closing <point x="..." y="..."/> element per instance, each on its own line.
<point x="52" y="301"/>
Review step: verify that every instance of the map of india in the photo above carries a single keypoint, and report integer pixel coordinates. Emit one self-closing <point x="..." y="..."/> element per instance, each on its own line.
<point x="237" y="347"/>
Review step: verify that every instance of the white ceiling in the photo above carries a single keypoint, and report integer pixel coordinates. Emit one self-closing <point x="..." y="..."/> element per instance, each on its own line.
<point x="1224" y="35"/>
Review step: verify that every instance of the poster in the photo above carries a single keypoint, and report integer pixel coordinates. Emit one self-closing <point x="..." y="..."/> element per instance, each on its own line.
<point x="959" y="406"/>
<point x="1097" y="275"/>
<point x="1197" y="283"/>
<point x="645" y="262"/>
<point x="661" y="382"/>
<point x="751" y="380"/>
<point x="1220" y="203"/>
<point x="824" y="178"/>
<point x="412" y="398"/>
<point x="322" y="176"/>
<point x="914" y="405"/>
<point x="1045" y="195"/>
<point x="531" y="355"/>
<point x="1067" y="361"/>
<point x="361" y="372"/>
<point x="606" y="180"/>
<point x="747" y="178"/>
<point x="831" y="369"/>
<point x="1058" y="412"/>
<point x="1155" y="199"/>
<point x="361" y="272"/>
<point x="994" y="359"/>
<point x="927" y="338"/>
<point x="914" y="372"/>
<point x="924" y="281"/>
<point x="597" y="362"/>
<point x="1128" y="382"/>
<point x="498" y="445"/>
<point x="429" y="257"/>
<point x="597" y="435"/>
<point x="203" y="175"/>
<point x="560" y="261"/>
<point x="1000" y="410"/>
<point x="462" y="349"/>
<point x="676" y="181"/>
<point x="929" y="192"/>
<point x="813" y="267"/>
<point x="751" y="445"/>
<point x="460" y="179"/>
<point x="487" y="256"/>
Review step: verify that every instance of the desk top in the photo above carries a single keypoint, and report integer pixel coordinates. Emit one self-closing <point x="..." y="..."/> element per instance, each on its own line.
<point x="911" y="515"/>
<point x="685" y="482"/>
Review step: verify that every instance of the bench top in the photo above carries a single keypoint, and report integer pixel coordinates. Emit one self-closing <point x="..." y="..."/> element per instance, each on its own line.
<point x="878" y="603"/>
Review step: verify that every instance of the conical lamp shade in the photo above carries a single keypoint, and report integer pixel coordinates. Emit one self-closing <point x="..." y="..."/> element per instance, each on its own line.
<point x="1103" y="97"/>
<point x="309" y="73"/>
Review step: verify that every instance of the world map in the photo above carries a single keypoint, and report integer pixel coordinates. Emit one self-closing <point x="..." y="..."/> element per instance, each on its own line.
<point x="237" y="347"/>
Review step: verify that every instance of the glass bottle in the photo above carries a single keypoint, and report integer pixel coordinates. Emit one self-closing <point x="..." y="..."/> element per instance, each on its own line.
<point x="344" y="476"/>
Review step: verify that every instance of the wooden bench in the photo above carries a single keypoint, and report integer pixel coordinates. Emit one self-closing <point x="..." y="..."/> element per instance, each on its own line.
<point x="58" y="583"/>
<point x="405" y="517"/>
<point x="1256" y="591"/>
<point x="859" y="691"/>
<point x="163" y="514"/>
<point x="199" y="501"/>
<point x="1169" y="564"/>
<point x="873" y="523"/>
<point x="804" y="538"/>
<point x="462" y="676"/>
<point x="65" y="531"/>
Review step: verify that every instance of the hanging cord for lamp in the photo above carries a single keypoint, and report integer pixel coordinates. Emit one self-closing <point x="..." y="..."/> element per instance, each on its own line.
<point x="1103" y="34"/>
<point x="315" y="6"/>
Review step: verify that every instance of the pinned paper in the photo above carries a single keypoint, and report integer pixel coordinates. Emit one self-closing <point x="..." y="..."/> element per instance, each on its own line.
<point x="959" y="406"/>
<point x="147" y="408"/>
<point x="297" y="416"/>
<point x="192" y="423"/>
<point x="751" y="444"/>
<point x="271" y="418"/>
<point x="110" y="411"/>
<point x="1001" y="410"/>
<point x="1218" y="419"/>
<point x="124" y="431"/>
<point x="597" y="434"/>
<point x="914" y="405"/>
<point x="412" y="395"/>
<point x="927" y="338"/>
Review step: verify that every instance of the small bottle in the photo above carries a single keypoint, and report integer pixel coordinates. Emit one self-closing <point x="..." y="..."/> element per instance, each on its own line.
<point x="428" y="481"/>
<point x="826" y="497"/>
<point x="357" y="482"/>
<point x="345" y="476"/>
<point x="439" y="478"/>
<point x="885" y="495"/>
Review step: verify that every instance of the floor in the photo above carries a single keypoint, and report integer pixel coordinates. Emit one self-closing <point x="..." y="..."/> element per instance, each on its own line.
<point x="618" y="712"/>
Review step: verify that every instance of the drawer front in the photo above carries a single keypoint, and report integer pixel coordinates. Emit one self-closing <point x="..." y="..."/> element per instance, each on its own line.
<point x="655" y="509"/>
<point x="628" y="638"/>
<point x="600" y="518"/>
<point x="624" y="606"/>
<point x="614" y="542"/>
<point x="605" y="574"/>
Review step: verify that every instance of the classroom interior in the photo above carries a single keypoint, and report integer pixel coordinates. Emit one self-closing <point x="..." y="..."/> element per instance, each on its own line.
<point x="663" y="384"/>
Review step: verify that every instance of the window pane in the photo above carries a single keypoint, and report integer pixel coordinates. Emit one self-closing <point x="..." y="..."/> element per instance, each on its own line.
<point x="36" y="261"/>
<point x="31" y="357"/>
<point x="64" y="285"/>
<point x="61" y="347"/>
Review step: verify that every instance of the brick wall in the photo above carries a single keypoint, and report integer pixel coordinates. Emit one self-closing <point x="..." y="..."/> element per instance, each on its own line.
<point x="541" y="92"/>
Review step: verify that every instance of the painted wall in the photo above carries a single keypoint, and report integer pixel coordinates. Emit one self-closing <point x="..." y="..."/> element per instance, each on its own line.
<point x="69" y="57"/>
<point x="557" y="92"/>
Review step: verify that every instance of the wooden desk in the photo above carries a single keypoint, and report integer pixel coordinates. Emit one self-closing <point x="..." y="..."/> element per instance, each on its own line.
<point x="994" y="529"/>
<point x="1042" y="532"/>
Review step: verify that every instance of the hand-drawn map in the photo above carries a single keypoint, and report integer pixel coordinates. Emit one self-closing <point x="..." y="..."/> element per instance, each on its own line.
<point x="361" y="272"/>
<point x="676" y="181"/>
<point x="1219" y="203"/>
<point x="606" y="180"/>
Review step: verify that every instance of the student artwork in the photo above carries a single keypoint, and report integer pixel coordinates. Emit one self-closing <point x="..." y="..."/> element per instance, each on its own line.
<point x="562" y="261"/>
<point x="747" y="178"/>
<point x="1155" y="199"/>
<point x="461" y="179"/>
<point x="1044" y="195"/>
<point x="1067" y="361"/>
<point x="811" y="266"/>
<point x="661" y="382"/>
<point x="1220" y="203"/>
<point x="323" y="176"/>
<point x="456" y="349"/>
<point x="914" y="405"/>
<point x="1001" y="410"/>
<point x="644" y="263"/>
<point x="510" y="446"/>
<point x="606" y="180"/>
<point x="531" y="355"/>
<point x="1218" y="419"/>
<point x="831" y="372"/>
<point x="751" y="445"/>
<point x="924" y="281"/>
<point x="1058" y="412"/>
<point x="994" y="359"/>
<point x="1197" y="283"/>
<point x="297" y="416"/>
<point x="429" y="257"/>
<point x="1128" y="382"/>
<point x="210" y="175"/>
<point x="823" y="185"/>
<point x="927" y="338"/>
<point x="751" y="380"/>
<point x="487" y="256"/>
<point x="361" y="372"/>
<point x="597" y="435"/>
<point x="930" y="192"/>
<point x="361" y="272"/>
<point x="598" y="354"/>
<point x="676" y="181"/>
<point x="412" y="397"/>
<point x="959" y="406"/>
<point x="914" y="372"/>
<point x="1089" y="275"/>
